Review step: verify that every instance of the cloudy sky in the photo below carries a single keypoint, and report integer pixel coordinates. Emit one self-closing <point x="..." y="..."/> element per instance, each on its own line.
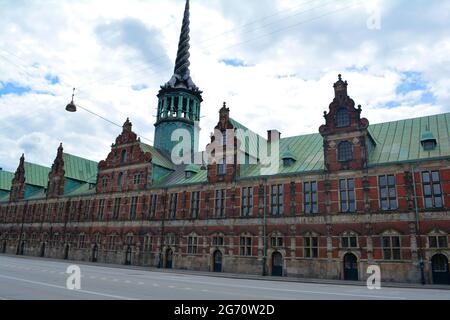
<point x="272" y="61"/>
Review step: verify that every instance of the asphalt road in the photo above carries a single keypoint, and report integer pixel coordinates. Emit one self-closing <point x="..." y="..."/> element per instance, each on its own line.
<point x="35" y="279"/>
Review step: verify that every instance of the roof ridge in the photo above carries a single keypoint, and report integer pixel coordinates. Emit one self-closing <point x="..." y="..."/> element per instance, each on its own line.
<point x="73" y="155"/>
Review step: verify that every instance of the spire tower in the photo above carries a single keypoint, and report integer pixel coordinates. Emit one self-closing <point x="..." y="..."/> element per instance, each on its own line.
<point x="179" y="99"/>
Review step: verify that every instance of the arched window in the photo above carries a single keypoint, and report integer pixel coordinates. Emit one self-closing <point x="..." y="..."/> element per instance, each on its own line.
<point x="345" y="151"/>
<point x="120" y="180"/>
<point x="342" y="118"/>
<point x="123" y="156"/>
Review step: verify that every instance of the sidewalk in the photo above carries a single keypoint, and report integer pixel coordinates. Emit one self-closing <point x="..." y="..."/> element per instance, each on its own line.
<point x="240" y="276"/>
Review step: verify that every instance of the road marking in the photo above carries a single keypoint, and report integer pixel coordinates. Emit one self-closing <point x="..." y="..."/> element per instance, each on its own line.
<point x="141" y="283"/>
<point x="64" y="288"/>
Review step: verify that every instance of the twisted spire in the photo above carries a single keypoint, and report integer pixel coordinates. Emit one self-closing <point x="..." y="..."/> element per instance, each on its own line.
<point x="182" y="63"/>
<point x="182" y="74"/>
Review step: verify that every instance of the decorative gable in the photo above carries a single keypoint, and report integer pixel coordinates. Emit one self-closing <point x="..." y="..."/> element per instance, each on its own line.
<point x="223" y="150"/>
<point x="18" y="182"/>
<point x="345" y="133"/>
<point x="127" y="166"/>
<point x="56" y="176"/>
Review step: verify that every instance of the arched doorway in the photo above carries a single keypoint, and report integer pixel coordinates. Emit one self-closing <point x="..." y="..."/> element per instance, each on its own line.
<point x="439" y="265"/>
<point x="4" y="246"/>
<point x="217" y="261"/>
<point x="128" y="256"/>
<point x="95" y="253"/>
<point x="350" y="267"/>
<point x="42" y="254"/>
<point x="169" y="259"/>
<point x="66" y="252"/>
<point x="277" y="264"/>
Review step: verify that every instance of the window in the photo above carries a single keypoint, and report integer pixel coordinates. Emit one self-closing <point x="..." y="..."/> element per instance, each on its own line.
<point x="87" y="206"/>
<point x="195" y="204"/>
<point x="147" y="243"/>
<point x="342" y="118"/>
<point x="438" y="242"/>
<point x="349" y="240"/>
<point x="170" y="239"/>
<point x="173" y="205"/>
<point x="246" y="246"/>
<point x="432" y="190"/>
<point x="345" y="151"/>
<point x="104" y="182"/>
<point x="82" y="241"/>
<point x="288" y="162"/>
<point x="123" y="156"/>
<point x="98" y="238"/>
<point x="310" y="197"/>
<point x="222" y="168"/>
<point x="192" y="245"/>
<point x="217" y="240"/>
<point x="429" y="145"/>
<point x="101" y="209"/>
<point x="153" y="204"/>
<point x="247" y="201"/>
<point x="277" y="200"/>
<point x="116" y="210"/>
<point x="189" y="174"/>
<point x="112" y="242"/>
<point x="133" y="208"/>
<point x="347" y="195"/>
<point x="120" y="180"/>
<point x="391" y="247"/>
<point x="276" y="241"/>
<point x="388" y="193"/>
<point x="130" y="239"/>
<point x="224" y="138"/>
<point x="220" y="203"/>
<point x="311" y="246"/>
<point x="137" y="178"/>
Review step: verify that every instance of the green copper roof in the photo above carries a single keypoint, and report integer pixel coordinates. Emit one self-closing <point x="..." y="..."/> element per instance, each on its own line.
<point x="84" y="189"/>
<point x="36" y="175"/>
<point x="192" y="168"/>
<point x="40" y="194"/>
<point x="252" y="144"/>
<point x="158" y="158"/>
<point x="79" y="168"/>
<point x="401" y="140"/>
<point x="5" y="180"/>
<point x="4" y="198"/>
<point x="179" y="178"/>
<point x="308" y="151"/>
<point x="288" y="154"/>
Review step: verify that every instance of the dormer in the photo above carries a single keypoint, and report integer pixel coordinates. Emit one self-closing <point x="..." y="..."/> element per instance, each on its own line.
<point x="191" y="170"/>
<point x="428" y="141"/>
<point x="289" y="159"/>
<point x="345" y="133"/>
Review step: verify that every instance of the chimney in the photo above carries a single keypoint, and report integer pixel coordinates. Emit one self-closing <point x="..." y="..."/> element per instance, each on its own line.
<point x="273" y="135"/>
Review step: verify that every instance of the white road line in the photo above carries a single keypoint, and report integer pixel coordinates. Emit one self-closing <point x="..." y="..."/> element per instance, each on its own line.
<point x="171" y="287"/>
<point x="60" y="287"/>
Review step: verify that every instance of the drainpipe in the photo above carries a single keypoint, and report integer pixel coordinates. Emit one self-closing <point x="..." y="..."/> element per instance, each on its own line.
<point x="265" y="228"/>
<point x="420" y="251"/>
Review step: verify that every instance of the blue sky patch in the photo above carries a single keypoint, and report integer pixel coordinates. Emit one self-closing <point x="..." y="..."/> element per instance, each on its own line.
<point x="52" y="79"/>
<point x="411" y="81"/>
<point x="234" y="62"/>
<point x="139" y="87"/>
<point x="12" y="88"/>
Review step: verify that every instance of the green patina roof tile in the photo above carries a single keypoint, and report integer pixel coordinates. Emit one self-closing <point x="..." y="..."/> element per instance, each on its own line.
<point x="36" y="175"/>
<point x="157" y="157"/>
<point x="80" y="169"/>
<point x="5" y="180"/>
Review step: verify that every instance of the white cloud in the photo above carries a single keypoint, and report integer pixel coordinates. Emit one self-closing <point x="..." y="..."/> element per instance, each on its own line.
<point x="104" y="48"/>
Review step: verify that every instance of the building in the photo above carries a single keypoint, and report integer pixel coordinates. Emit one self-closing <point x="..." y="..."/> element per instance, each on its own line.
<point x="326" y="205"/>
